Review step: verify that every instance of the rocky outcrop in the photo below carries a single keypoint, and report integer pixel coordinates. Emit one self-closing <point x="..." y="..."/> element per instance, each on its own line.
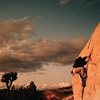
<point x="92" y="89"/>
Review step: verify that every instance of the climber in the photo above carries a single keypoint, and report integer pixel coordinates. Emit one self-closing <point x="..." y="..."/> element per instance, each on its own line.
<point x="79" y="67"/>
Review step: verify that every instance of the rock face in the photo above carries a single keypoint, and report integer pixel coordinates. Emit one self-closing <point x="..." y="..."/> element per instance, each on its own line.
<point x="92" y="89"/>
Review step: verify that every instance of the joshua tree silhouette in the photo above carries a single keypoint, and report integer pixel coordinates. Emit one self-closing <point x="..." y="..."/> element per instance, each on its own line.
<point x="8" y="78"/>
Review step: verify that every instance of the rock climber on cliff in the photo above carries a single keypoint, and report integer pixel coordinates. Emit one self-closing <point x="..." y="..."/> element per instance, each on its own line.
<point x="79" y="67"/>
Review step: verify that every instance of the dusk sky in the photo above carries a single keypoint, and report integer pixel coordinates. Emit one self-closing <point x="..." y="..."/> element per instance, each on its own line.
<point x="41" y="36"/>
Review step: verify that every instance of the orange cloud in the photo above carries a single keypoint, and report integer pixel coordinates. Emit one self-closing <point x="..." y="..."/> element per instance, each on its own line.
<point x="15" y="29"/>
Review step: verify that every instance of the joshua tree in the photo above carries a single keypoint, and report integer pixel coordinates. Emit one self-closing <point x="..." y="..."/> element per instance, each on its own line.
<point x="8" y="78"/>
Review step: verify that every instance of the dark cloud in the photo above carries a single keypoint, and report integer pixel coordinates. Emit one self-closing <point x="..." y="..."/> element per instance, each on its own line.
<point x="95" y="4"/>
<point x="28" y="55"/>
<point x="88" y="3"/>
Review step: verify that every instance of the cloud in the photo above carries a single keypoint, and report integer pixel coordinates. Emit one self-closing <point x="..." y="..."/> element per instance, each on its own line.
<point x="16" y="29"/>
<point x="59" y="85"/>
<point x="20" y="53"/>
<point x="88" y="3"/>
<point x="28" y="55"/>
<point x="93" y="4"/>
<point x="64" y="2"/>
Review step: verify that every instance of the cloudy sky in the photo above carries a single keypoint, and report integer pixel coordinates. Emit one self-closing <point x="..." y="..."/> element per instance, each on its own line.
<point x="36" y="33"/>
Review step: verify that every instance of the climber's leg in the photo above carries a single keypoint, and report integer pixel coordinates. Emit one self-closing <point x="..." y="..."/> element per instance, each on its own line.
<point x="83" y="75"/>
